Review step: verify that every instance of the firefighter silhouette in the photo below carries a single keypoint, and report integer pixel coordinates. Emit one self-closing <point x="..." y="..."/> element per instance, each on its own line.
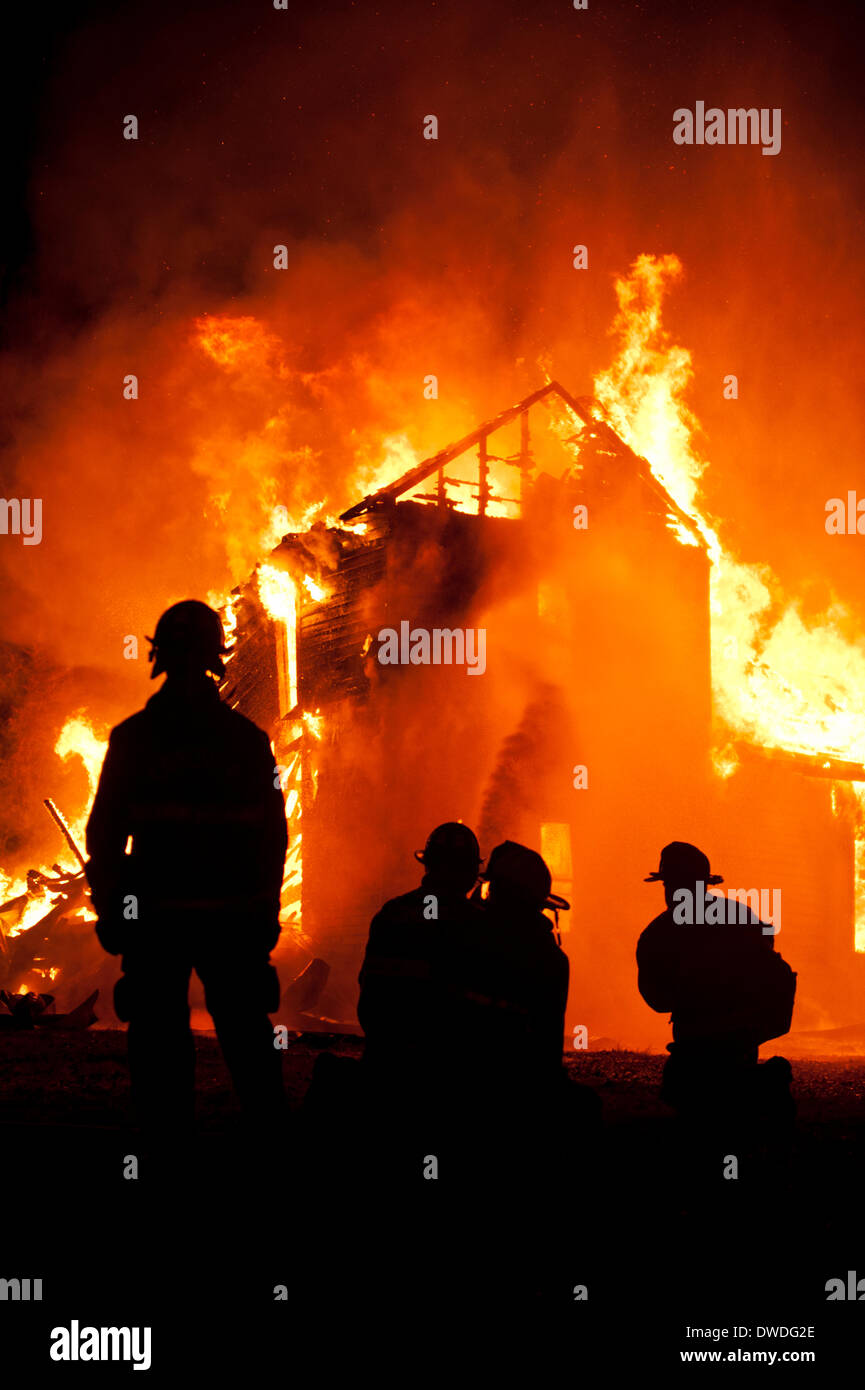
<point x="518" y="1118"/>
<point x="394" y="1101"/>
<point x="403" y="997"/>
<point x="727" y="989"/>
<point x="513" y="975"/>
<point x="190" y="785"/>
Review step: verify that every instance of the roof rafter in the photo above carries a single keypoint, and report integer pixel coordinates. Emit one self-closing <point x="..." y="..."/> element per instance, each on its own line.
<point x="581" y="407"/>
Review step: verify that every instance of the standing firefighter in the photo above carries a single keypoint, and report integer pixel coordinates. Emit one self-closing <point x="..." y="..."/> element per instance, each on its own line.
<point x="192" y="785"/>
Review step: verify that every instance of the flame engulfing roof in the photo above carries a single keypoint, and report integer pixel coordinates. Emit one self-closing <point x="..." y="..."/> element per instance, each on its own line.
<point x="588" y="416"/>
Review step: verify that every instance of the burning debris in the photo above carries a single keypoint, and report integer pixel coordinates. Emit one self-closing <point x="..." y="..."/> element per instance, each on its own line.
<point x="33" y="922"/>
<point x="38" y="1011"/>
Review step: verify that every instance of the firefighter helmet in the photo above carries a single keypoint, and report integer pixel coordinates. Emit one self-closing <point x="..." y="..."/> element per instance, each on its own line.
<point x="683" y="863"/>
<point x="449" y="843"/>
<point x="189" y="636"/>
<point x="524" y="874"/>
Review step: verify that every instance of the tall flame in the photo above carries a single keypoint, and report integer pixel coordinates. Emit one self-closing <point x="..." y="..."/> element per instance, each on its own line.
<point x="784" y="683"/>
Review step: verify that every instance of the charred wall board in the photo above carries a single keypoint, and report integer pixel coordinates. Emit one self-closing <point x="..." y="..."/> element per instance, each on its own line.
<point x="331" y="634"/>
<point x="251" y="684"/>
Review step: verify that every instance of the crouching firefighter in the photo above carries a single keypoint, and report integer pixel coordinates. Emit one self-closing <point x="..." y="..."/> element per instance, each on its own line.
<point x="395" y="1098"/>
<point x="512" y="987"/>
<point x="413" y="940"/>
<point x="728" y="990"/>
<point x="190" y="786"/>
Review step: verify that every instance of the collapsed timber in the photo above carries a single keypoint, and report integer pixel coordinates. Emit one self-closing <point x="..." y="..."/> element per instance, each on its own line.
<point x="27" y="947"/>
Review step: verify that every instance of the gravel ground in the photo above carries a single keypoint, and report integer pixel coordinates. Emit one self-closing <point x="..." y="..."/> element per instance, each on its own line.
<point x="81" y="1079"/>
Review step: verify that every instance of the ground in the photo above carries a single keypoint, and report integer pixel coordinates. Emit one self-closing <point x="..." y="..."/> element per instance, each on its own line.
<point x="625" y="1220"/>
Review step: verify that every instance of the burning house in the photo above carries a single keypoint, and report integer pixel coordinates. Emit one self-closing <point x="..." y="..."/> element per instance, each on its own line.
<point x="537" y="630"/>
<point x="589" y="732"/>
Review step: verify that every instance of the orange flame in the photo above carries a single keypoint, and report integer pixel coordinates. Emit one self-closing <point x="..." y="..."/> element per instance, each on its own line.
<point x="788" y="684"/>
<point x="315" y="590"/>
<point x="232" y="342"/>
<point x="78" y="738"/>
<point x="278" y="592"/>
